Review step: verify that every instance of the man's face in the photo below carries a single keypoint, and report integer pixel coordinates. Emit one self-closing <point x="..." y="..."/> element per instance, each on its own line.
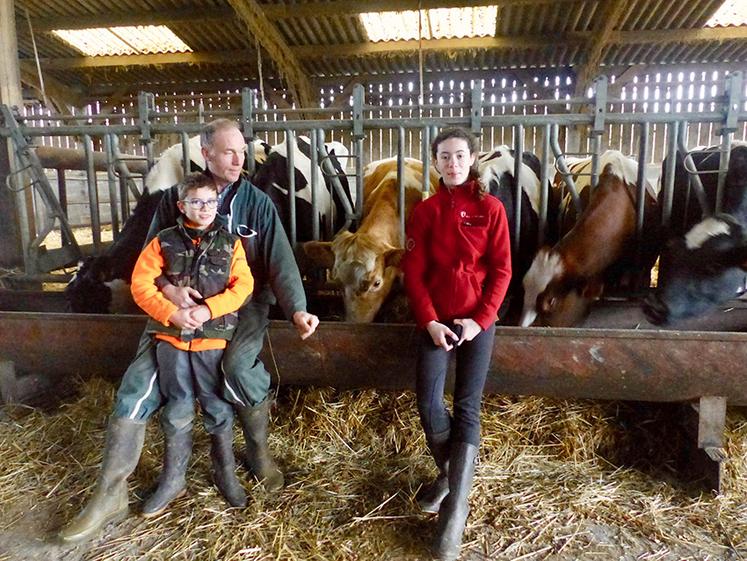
<point x="225" y="158"/>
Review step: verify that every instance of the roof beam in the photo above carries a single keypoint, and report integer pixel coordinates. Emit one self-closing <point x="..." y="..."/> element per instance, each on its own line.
<point x="284" y="59"/>
<point x="337" y="7"/>
<point x="391" y="47"/>
<point x="272" y="12"/>
<point x="211" y="57"/>
<point x="680" y="35"/>
<point x="609" y="19"/>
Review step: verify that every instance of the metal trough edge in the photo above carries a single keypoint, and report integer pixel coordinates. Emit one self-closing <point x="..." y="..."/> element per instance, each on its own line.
<point x="639" y="365"/>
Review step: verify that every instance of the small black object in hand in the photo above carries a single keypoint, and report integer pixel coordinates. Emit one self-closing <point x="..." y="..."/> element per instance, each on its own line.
<point x="457" y="329"/>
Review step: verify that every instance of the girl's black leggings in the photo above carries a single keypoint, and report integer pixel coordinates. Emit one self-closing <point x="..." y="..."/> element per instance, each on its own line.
<point x="472" y="362"/>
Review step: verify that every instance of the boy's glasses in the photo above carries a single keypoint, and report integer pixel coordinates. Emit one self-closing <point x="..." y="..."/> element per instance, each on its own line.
<point x="199" y="204"/>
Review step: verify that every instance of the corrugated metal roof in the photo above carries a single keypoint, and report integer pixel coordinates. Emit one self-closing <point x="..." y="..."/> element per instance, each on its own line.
<point x="527" y="34"/>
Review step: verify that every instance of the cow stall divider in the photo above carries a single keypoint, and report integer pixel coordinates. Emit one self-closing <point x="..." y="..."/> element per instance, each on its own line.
<point x="535" y="350"/>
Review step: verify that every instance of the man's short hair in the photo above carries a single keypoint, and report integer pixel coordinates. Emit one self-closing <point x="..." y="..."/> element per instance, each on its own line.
<point x="208" y="131"/>
<point x="195" y="180"/>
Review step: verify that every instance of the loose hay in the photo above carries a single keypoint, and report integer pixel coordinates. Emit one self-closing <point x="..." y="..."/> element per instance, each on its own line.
<point x="557" y="480"/>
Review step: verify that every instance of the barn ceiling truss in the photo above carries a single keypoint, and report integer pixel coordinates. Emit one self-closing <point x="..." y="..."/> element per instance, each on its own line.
<point x="306" y="45"/>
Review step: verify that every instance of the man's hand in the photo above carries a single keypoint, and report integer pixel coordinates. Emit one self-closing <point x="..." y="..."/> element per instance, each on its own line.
<point x="442" y="336"/>
<point x="305" y="323"/>
<point x="470" y="329"/>
<point x="200" y="313"/>
<point x="181" y="296"/>
<point x="182" y="318"/>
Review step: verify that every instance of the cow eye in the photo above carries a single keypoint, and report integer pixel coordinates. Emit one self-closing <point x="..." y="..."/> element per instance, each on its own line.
<point x="377" y="283"/>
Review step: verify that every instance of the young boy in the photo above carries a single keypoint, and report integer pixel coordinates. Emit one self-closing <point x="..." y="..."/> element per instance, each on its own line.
<point x="198" y="253"/>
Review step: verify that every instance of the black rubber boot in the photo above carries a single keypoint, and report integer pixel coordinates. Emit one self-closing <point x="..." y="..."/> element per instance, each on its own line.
<point x="430" y="495"/>
<point x="224" y="468"/>
<point x="254" y="421"/>
<point x="124" y="442"/>
<point x="172" y="483"/>
<point x="452" y="517"/>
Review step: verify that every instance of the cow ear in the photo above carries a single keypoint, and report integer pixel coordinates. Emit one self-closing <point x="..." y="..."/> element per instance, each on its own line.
<point x="320" y="253"/>
<point x="393" y="257"/>
<point x="592" y="290"/>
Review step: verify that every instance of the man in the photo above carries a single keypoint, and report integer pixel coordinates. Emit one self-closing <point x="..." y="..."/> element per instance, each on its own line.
<point x="251" y="215"/>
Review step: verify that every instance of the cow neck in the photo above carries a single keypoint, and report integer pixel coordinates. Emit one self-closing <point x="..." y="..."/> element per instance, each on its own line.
<point x="607" y="222"/>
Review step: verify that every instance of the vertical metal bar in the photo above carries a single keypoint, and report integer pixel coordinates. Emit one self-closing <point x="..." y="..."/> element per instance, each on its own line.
<point x="600" y="114"/>
<point x="731" y="111"/>
<point x="112" y="183"/>
<point x="124" y="178"/>
<point x="93" y="193"/>
<point x="314" y="185"/>
<point x="643" y="147"/>
<point x="247" y="120"/>
<point x="358" y="179"/>
<point x="596" y="149"/>
<point x="426" y="158"/>
<point x="328" y="171"/>
<point x="401" y="183"/>
<point x="62" y="196"/>
<point x="563" y="169"/>
<point x="694" y="183"/>
<point x="518" y="189"/>
<point x="723" y="168"/>
<point x="144" y="103"/>
<point x="359" y="97"/>
<point x="544" y="186"/>
<point x="667" y="197"/>
<point x="186" y="156"/>
<point x="476" y="109"/>
<point x="290" y="145"/>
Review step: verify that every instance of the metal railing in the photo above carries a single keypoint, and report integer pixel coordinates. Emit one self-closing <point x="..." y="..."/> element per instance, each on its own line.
<point x="359" y="120"/>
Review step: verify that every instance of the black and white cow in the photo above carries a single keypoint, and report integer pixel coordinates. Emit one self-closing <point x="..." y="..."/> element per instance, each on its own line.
<point x="702" y="264"/>
<point x="496" y="168"/>
<point x="332" y="204"/>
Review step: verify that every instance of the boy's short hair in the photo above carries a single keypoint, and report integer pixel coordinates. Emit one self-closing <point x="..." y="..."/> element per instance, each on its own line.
<point x="195" y="180"/>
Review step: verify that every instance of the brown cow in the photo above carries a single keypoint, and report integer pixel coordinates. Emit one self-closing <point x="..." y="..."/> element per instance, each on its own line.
<point x="564" y="280"/>
<point x="366" y="263"/>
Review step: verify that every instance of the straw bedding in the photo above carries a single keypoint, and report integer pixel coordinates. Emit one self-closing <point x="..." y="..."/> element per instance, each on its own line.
<point x="556" y="480"/>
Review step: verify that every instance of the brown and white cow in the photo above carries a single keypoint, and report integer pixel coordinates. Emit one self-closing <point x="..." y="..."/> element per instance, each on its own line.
<point x="366" y="263"/>
<point x="564" y="280"/>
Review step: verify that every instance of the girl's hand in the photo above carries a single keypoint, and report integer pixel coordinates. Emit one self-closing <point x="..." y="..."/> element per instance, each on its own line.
<point x="442" y="336"/>
<point x="470" y="329"/>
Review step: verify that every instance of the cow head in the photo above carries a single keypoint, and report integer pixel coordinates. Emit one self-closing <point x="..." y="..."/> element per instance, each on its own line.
<point x="87" y="292"/>
<point x="365" y="268"/>
<point x="553" y="295"/>
<point x="699" y="271"/>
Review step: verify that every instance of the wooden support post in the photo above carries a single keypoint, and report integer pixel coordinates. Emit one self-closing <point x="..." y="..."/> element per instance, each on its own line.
<point x="705" y="422"/>
<point x="11" y="247"/>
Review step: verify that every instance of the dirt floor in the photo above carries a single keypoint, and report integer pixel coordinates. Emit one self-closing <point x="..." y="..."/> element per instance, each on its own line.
<point x="559" y="480"/>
